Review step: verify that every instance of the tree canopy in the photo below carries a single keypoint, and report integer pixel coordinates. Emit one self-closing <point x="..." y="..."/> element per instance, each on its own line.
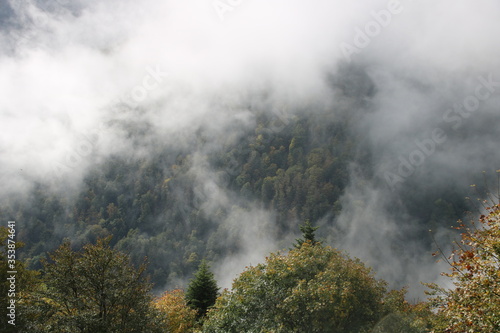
<point x="310" y="289"/>
<point x="474" y="304"/>
<point x="180" y="317"/>
<point x="93" y="290"/>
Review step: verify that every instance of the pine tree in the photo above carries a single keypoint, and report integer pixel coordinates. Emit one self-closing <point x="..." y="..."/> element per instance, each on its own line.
<point x="307" y="235"/>
<point x="202" y="290"/>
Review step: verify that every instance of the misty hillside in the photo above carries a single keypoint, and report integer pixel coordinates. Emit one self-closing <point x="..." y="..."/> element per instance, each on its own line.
<point x="208" y="132"/>
<point x="231" y="196"/>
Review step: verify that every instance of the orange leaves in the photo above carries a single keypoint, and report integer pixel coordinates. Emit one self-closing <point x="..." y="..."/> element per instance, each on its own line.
<point x="474" y="305"/>
<point x="467" y="255"/>
<point x="181" y="317"/>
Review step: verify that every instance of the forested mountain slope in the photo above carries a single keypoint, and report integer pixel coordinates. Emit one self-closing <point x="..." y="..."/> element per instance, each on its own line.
<point x="178" y="206"/>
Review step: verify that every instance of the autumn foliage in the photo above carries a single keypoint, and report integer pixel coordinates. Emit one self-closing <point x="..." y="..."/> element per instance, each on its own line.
<point x="474" y="305"/>
<point x="310" y="289"/>
<point x="180" y="317"/>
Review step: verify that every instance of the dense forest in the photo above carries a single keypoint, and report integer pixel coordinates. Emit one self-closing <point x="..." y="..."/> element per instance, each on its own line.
<point x="311" y="287"/>
<point x="153" y="216"/>
<point x="155" y="207"/>
<point x="249" y="166"/>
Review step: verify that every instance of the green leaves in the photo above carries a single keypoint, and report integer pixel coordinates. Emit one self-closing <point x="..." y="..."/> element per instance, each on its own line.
<point x="311" y="289"/>
<point x="94" y="290"/>
<point x="307" y="235"/>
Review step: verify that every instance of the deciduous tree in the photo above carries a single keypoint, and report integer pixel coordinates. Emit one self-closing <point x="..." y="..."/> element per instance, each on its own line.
<point x="311" y="289"/>
<point x="95" y="290"/>
<point x="474" y="304"/>
<point x="180" y="317"/>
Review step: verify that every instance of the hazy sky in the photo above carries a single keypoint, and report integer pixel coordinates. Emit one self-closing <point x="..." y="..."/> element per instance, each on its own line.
<point x="428" y="70"/>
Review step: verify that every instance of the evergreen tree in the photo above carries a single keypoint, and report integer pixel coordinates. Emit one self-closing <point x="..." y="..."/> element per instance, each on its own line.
<point x="202" y="290"/>
<point x="307" y="235"/>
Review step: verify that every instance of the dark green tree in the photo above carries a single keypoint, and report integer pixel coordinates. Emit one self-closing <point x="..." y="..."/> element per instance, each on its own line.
<point x="202" y="291"/>
<point x="307" y="235"/>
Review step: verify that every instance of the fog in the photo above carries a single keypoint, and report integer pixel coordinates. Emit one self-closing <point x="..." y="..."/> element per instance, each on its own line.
<point x="74" y="74"/>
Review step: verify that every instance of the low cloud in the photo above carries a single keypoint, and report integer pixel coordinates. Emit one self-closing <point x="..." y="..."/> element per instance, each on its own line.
<point x="79" y="86"/>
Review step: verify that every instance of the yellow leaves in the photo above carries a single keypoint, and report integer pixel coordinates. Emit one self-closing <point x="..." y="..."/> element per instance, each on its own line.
<point x="474" y="305"/>
<point x="313" y="288"/>
<point x="181" y="318"/>
<point x="165" y="182"/>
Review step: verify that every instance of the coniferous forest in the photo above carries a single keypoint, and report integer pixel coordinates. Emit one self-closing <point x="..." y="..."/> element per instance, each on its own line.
<point x="235" y="166"/>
